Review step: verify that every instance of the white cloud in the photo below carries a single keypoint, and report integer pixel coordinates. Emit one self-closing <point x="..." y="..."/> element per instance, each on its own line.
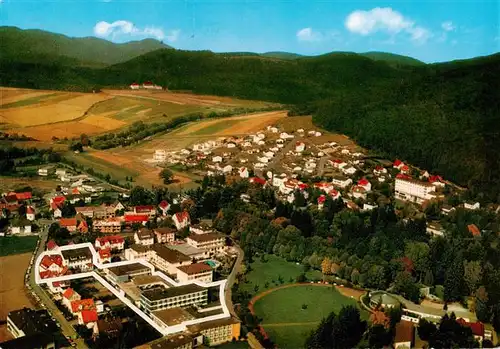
<point x="385" y="20"/>
<point x="105" y="29"/>
<point x="173" y="35"/>
<point x="448" y="26"/>
<point x="308" y="35"/>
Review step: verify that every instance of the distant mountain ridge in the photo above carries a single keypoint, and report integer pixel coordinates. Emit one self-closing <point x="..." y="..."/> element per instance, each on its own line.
<point x="27" y="45"/>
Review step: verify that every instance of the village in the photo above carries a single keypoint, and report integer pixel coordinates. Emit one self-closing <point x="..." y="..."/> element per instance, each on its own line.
<point x="172" y="272"/>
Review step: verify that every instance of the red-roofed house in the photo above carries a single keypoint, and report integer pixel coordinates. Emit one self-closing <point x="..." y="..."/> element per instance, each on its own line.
<point x="30" y="213"/>
<point x="365" y="184"/>
<point x="243" y="172"/>
<point x="359" y="192"/>
<point x="437" y="181"/>
<point x="398" y="164"/>
<point x="404" y="336"/>
<point x="337" y="163"/>
<point x="82" y="304"/>
<point x="23" y="196"/>
<point x="54" y="263"/>
<point x="83" y="227"/>
<point x="403" y="176"/>
<point x="379" y="170"/>
<point x="321" y="201"/>
<point x="335" y="194"/>
<point x="164" y="206"/>
<point x="150" y="210"/>
<point x="68" y="223"/>
<point x="476" y="327"/>
<point x="324" y="186"/>
<point x="405" y="169"/>
<point x="69" y="296"/>
<point x="88" y="318"/>
<point x="474" y="230"/>
<point x="51" y="245"/>
<point x="58" y="200"/>
<point x="134" y="86"/>
<point x="181" y="220"/>
<point x="300" y="146"/>
<point x="257" y="180"/>
<point x="105" y="255"/>
<point x="136" y="218"/>
<point x="114" y="242"/>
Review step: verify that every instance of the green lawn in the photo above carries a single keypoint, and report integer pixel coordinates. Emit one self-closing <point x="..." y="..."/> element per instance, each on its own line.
<point x="269" y="272"/>
<point x="17" y="244"/>
<point x="285" y="306"/>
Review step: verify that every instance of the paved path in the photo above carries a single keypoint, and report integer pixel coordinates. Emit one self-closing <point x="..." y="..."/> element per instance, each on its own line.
<point x="232" y="277"/>
<point x="66" y="328"/>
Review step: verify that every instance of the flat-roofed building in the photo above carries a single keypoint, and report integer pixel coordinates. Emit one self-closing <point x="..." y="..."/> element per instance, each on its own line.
<point x="413" y="190"/>
<point x="218" y="331"/>
<point x="168" y="259"/>
<point x="161" y="297"/>
<point x="211" y="242"/>
<point x="28" y="322"/>
<point x="196" y="271"/>
<point x="200" y="229"/>
<point x="177" y="341"/>
<point x="171" y="316"/>
<point x="123" y="273"/>
<point x="189" y="250"/>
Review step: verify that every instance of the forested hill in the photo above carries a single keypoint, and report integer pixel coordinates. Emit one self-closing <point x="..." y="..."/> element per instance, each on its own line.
<point x="22" y="45"/>
<point x="445" y="118"/>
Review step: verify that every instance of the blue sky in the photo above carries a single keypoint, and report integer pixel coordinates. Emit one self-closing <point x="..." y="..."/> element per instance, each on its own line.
<point x="428" y="30"/>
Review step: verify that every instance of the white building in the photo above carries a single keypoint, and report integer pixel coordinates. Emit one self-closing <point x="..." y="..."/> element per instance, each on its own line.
<point x="211" y="242"/>
<point x="472" y="205"/>
<point x="217" y="159"/>
<point x="341" y="181"/>
<point x="30" y="213"/>
<point x="349" y="170"/>
<point x="160" y="155"/>
<point x="181" y="220"/>
<point x="243" y="172"/>
<point x="300" y="147"/>
<point x="409" y="189"/>
<point x="196" y="271"/>
<point x="227" y="169"/>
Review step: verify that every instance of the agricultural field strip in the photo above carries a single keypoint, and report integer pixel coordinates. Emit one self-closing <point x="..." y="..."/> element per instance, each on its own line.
<point x="28" y="101"/>
<point x="95" y="260"/>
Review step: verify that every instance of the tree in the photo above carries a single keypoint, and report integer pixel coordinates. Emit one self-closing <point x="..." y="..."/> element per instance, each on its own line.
<point x="326" y="266"/>
<point x="301" y="278"/>
<point x="338" y="331"/>
<point x="418" y="253"/>
<point x="405" y="286"/>
<point x="473" y="273"/>
<point x="454" y="282"/>
<point x="379" y="336"/>
<point x="140" y="196"/>
<point x="426" y="329"/>
<point x="167" y="175"/>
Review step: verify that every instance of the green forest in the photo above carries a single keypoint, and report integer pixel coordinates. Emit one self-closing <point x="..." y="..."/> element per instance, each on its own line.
<point x="442" y="117"/>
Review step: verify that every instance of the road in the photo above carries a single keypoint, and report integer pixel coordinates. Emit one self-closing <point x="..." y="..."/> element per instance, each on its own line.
<point x="67" y="330"/>
<point x="232" y="277"/>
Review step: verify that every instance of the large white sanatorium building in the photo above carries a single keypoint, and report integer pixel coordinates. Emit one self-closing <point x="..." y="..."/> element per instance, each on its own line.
<point x="413" y="190"/>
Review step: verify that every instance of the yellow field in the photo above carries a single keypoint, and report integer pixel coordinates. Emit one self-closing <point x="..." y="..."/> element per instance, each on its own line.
<point x="53" y="111"/>
<point x="103" y="122"/>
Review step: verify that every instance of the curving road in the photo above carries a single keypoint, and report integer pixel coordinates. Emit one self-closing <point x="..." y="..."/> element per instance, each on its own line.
<point x="44" y="299"/>
<point x="232" y="277"/>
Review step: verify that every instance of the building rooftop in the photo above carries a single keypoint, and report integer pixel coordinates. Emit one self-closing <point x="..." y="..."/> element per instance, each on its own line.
<point x="404" y="332"/>
<point x="33" y="321"/>
<point x="170" y="255"/>
<point x="77" y="253"/>
<point x="186" y="249"/>
<point x="163" y="231"/>
<point x="163" y="292"/>
<point x="195" y="268"/>
<point x="144" y="280"/>
<point x="211" y="324"/>
<point x="139" y="248"/>
<point x="128" y="269"/>
<point x="172" y="342"/>
<point x="173" y="316"/>
<point x="206" y="237"/>
<point x="37" y="340"/>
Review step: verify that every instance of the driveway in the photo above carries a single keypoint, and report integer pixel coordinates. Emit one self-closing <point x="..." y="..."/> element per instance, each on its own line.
<point x="231" y="278"/>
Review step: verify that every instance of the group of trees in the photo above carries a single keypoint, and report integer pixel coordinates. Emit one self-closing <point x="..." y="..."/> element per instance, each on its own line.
<point x="12" y="157"/>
